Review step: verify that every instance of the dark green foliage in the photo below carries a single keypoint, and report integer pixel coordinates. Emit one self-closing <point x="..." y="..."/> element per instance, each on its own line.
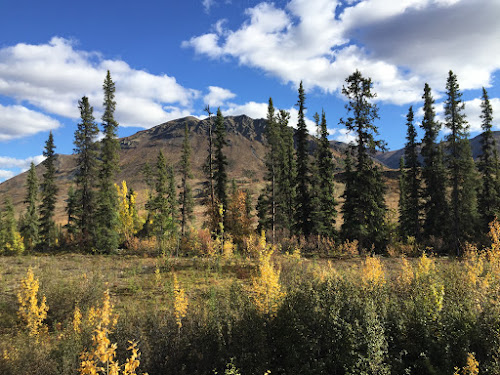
<point x="324" y="204"/>
<point x="435" y="206"/>
<point x="72" y="212"/>
<point x="107" y="213"/>
<point x="49" y="197"/>
<point x="8" y="227"/>
<point x="220" y="160"/>
<point x="303" y="188"/>
<point x="488" y="198"/>
<point x="272" y="164"/>
<point x="410" y="204"/>
<point x="86" y="150"/>
<point x="364" y="197"/>
<point x="463" y="204"/>
<point x="287" y="175"/>
<point x="30" y="222"/>
<point x="186" y="196"/>
<point x="163" y="204"/>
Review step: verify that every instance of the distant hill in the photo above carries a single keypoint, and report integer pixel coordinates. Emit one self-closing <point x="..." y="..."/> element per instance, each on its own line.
<point x="245" y="152"/>
<point x="391" y="158"/>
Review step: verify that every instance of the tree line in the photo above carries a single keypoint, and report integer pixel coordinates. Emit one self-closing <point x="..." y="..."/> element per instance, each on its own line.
<point x="443" y="201"/>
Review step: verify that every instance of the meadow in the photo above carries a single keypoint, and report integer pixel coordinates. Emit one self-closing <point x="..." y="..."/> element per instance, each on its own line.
<point x="253" y="313"/>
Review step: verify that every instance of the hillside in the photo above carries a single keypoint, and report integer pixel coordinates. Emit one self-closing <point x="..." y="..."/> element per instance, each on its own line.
<point x="245" y="151"/>
<point x="391" y="158"/>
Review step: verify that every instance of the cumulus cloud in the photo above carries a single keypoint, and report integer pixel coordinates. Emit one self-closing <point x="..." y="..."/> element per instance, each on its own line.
<point x="54" y="76"/>
<point x="217" y="96"/>
<point x="17" y="121"/>
<point x="259" y="110"/>
<point x="323" y="41"/>
<point x="343" y="135"/>
<point x="9" y="167"/>
<point x="7" y="162"/>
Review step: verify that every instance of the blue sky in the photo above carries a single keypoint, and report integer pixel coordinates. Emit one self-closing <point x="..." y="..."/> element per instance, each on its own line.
<point x="171" y="58"/>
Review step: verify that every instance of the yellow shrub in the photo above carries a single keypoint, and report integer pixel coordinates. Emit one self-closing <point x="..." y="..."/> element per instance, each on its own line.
<point x="180" y="302"/>
<point x="471" y="367"/>
<point x="77" y="320"/>
<point x="266" y="290"/>
<point x="372" y="274"/>
<point x="32" y="313"/>
<point x="407" y="275"/>
<point x="101" y="358"/>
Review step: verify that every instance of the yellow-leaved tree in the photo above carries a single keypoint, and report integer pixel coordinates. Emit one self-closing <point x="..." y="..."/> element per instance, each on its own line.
<point x="127" y="212"/>
<point x="266" y="290"/>
<point x="30" y="311"/>
<point x="101" y="359"/>
<point x="180" y="302"/>
<point x="471" y="366"/>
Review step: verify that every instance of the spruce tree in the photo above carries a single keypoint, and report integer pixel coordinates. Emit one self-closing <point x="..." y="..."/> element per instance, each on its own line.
<point x="186" y="196"/>
<point x="49" y="197"/>
<point x="410" y="214"/>
<point x="11" y="242"/>
<point x="287" y="175"/>
<point x="435" y="205"/>
<point x="72" y="213"/>
<point x="271" y="161"/>
<point x="303" y="198"/>
<point x="461" y="167"/>
<point x="324" y="188"/>
<point x="29" y="229"/>
<point x="488" y="200"/>
<point x="86" y="175"/>
<point x="107" y="215"/>
<point x="366" y="204"/>
<point x="403" y="194"/>
<point x="162" y="204"/>
<point x="220" y="161"/>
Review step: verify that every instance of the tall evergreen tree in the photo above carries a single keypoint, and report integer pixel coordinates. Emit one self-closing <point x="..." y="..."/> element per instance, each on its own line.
<point x="461" y="166"/>
<point x="49" y="197"/>
<point x="162" y="204"/>
<point x="220" y="160"/>
<point x="86" y="175"/>
<point x="186" y="196"/>
<point x="435" y="205"/>
<point x="366" y="200"/>
<point x="324" y="188"/>
<point x="488" y="199"/>
<point x="303" y="200"/>
<point x="107" y="215"/>
<point x="29" y="229"/>
<point x="272" y="163"/>
<point x="72" y="212"/>
<point x="409" y="218"/>
<point x="287" y="175"/>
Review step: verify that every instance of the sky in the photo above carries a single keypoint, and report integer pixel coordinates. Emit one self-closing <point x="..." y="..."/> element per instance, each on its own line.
<point x="169" y="59"/>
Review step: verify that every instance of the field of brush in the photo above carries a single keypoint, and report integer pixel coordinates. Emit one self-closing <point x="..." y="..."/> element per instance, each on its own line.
<point x="249" y="315"/>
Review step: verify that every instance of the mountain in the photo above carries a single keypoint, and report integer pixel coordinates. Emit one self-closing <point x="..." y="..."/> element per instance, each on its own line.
<point x="245" y="152"/>
<point x="391" y="158"/>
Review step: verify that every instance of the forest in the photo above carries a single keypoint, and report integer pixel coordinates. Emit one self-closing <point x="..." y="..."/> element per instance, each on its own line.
<point x="299" y="280"/>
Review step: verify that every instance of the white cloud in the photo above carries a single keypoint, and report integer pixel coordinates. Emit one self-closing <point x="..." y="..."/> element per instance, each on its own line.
<point x="259" y="110"/>
<point x="23" y="164"/>
<point x="323" y="41"/>
<point x="54" y="76"/>
<point x="9" y="166"/>
<point x="217" y="96"/>
<point x="343" y="135"/>
<point x="207" y="4"/>
<point x="17" y="121"/>
<point x="5" y="174"/>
